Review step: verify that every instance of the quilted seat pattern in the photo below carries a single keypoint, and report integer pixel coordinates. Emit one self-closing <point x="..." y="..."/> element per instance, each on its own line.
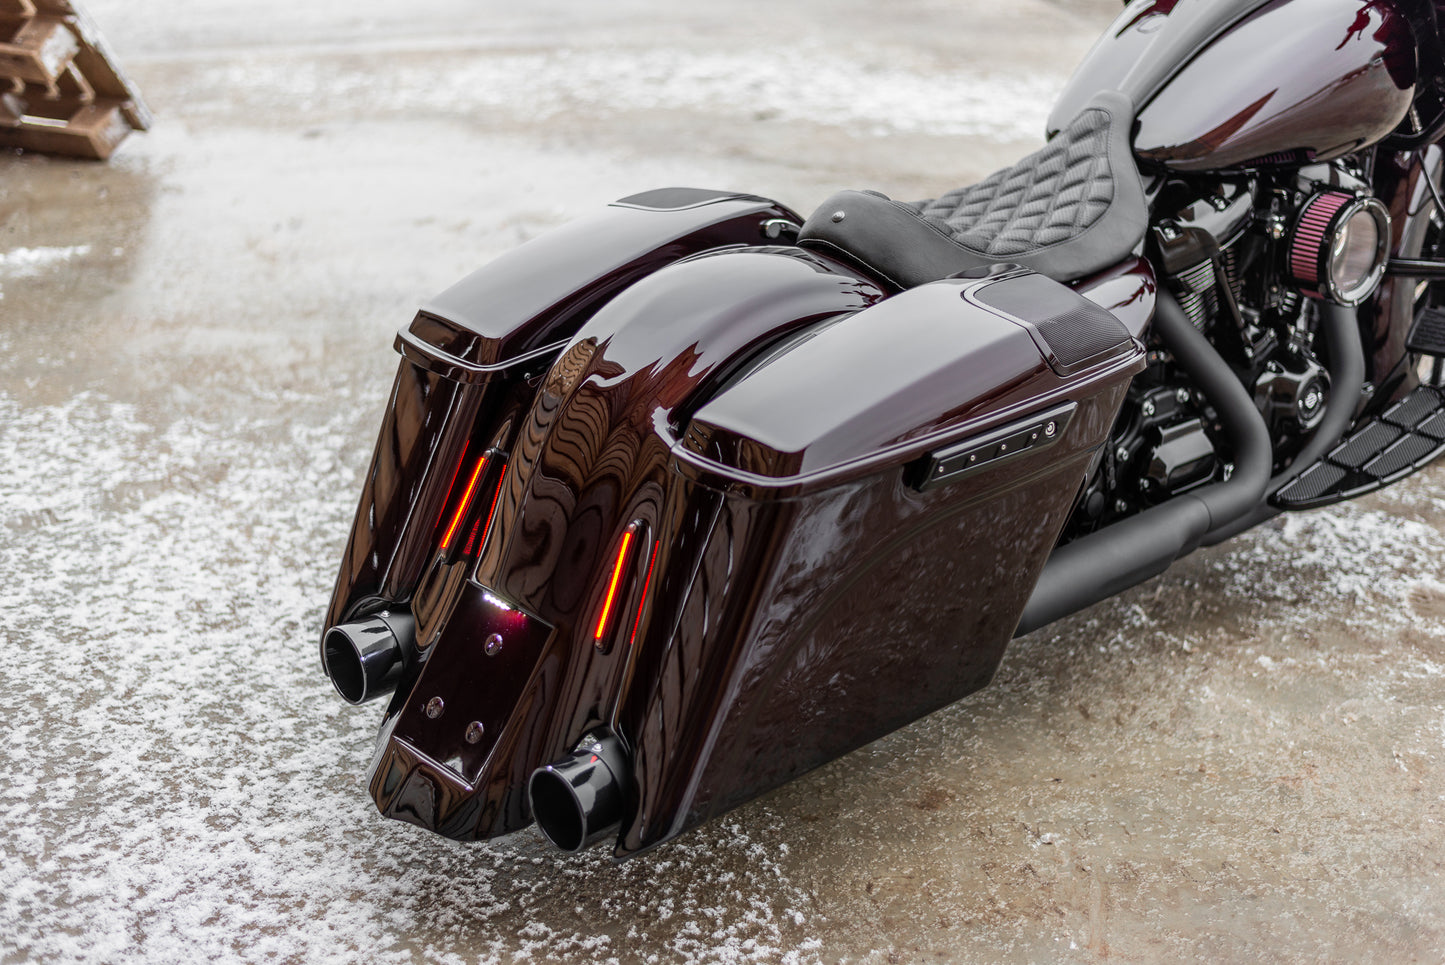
<point x="1054" y="194"/>
<point x="1073" y="207"/>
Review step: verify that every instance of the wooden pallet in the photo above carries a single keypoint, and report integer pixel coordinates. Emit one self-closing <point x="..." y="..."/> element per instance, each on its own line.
<point x="61" y="91"/>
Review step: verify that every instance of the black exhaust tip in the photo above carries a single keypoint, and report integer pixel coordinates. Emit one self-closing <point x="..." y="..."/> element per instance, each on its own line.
<point x="365" y="658"/>
<point x="578" y="800"/>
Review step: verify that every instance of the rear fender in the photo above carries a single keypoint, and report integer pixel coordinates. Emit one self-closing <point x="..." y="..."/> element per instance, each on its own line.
<point x="472" y="355"/>
<point x="588" y="470"/>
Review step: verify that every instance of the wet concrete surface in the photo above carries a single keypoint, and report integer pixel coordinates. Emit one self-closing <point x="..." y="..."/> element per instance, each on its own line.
<point x="1243" y="760"/>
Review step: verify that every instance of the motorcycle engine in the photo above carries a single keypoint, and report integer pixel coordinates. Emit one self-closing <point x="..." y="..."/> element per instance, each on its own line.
<point x="1224" y="251"/>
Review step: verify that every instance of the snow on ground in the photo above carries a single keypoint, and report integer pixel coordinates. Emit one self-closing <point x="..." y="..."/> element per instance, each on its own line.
<point x="807" y="83"/>
<point x="31" y="262"/>
<point x="177" y="781"/>
<point x="1239" y="761"/>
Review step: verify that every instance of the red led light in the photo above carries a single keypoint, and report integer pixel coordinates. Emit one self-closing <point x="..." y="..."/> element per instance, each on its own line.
<point x="617" y="569"/>
<point x="451" y="486"/>
<point x="643" y="599"/>
<point x="496" y="498"/>
<point x="466" y="501"/>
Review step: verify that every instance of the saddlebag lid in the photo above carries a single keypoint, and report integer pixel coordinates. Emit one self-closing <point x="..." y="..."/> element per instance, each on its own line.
<point x="882" y="387"/>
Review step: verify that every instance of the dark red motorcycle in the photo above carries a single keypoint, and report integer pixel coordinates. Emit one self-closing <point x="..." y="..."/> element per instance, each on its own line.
<point x="690" y="496"/>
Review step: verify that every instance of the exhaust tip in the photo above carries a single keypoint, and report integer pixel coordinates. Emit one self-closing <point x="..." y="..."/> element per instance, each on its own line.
<point x="365" y="658"/>
<point x="343" y="665"/>
<point x="556" y="809"/>
<point x="578" y="800"/>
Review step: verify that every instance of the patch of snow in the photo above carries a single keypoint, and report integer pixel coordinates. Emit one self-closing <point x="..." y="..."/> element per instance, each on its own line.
<point x="807" y="83"/>
<point x="178" y="783"/>
<point x="31" y="262"/>
<point x="1348" y="553"/>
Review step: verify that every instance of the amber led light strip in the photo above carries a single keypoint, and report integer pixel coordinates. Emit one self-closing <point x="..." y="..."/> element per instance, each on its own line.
<point x="652" y="561"/>
<point x="617" y="570"/>
<point x="465" y="502"/>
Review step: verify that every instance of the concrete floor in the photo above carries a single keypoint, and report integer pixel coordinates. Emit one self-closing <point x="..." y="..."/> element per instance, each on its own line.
<point x="1243" y="760"/>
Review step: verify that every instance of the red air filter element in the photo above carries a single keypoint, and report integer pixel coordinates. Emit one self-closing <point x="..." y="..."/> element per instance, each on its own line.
<point x="1339" y="247"/>
<point x="1308" y="250"/>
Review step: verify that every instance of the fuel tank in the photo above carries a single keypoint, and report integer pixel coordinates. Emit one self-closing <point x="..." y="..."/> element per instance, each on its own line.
<point x="1242" y="82"/>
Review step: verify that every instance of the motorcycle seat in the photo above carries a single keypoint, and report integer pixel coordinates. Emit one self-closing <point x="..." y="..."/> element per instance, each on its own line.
<point x="1074" y="207"/>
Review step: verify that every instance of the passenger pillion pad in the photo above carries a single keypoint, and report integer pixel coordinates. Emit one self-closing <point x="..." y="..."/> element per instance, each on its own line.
<point x="1074" y="207"/>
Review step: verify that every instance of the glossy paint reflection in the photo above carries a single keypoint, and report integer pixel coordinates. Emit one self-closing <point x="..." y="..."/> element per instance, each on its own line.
<point x="469" y="358"/>
<point x="816" y="614"/>
<point x="1349" y="80"/>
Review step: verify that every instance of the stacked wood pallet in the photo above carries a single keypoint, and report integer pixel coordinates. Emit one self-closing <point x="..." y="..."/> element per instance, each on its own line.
<point x="61" y="91"/>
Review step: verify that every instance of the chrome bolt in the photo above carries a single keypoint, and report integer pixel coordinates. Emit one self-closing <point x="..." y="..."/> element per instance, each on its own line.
<point x="434" y="708"/>
<point x="1121" y="454"/>
<point x="1050" y="428"/>
<point x="1120" y="506"/>
<point x="838" y="216"/>
<point x="1181" y="395"/>
<point x="475" y="731"/>
<point x="493" y="646"/>
<point x="1148" y="407"/>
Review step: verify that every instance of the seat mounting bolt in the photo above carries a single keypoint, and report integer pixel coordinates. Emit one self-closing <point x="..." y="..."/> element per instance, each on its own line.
<point x="838" y="216"/>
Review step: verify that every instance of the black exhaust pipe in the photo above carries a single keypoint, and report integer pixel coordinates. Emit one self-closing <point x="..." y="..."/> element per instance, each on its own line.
<point x="578" y="800"/>
<point x="1131" y="551"/>
<point x="1340" y="327"/>
<point x="365" y="658"/>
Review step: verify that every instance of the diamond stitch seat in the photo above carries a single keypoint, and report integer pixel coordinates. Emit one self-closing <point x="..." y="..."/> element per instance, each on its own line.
<point x="1073" y="207"/>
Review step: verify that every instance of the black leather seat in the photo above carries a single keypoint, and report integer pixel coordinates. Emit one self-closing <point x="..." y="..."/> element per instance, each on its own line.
<point x="1074" y="207"/>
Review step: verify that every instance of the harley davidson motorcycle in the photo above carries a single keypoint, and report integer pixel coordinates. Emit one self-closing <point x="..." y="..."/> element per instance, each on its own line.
<point x="690" y="496"/>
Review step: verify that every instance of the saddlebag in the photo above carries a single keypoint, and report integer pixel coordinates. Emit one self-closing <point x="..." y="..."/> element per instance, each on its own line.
<point x="874" y="499"/>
